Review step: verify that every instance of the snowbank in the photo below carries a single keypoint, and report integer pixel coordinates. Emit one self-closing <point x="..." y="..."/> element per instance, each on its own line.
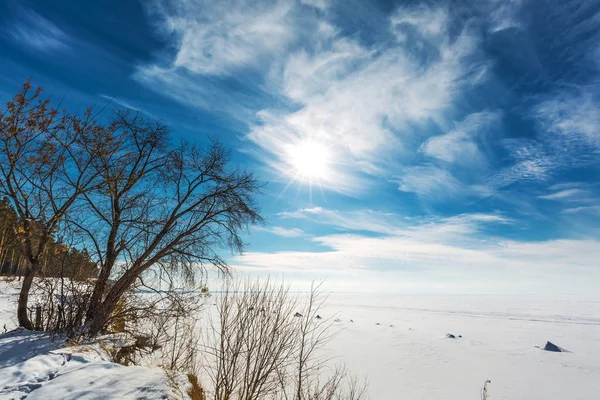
<point x="36" y="365"/>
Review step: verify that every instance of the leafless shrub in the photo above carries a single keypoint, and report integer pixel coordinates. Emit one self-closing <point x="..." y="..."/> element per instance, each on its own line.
<point x="176" y="337"/>
<point x="258" y="349"/>
<point x="59" y="304"/>
<point x="160" y="324"/>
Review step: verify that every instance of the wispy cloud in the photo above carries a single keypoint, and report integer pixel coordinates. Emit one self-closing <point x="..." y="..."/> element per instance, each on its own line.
<point x="387" y="223"/>
<point x="404" y="263"/>
<point x="124" y="103"/>
<point x="356" y="98"/>
<point x="34" y="31"/>
<point x="458" y="253"/>
<point x="460" y="144"/>
<point x="576" y="119"/>
<point x="583" y="210"/>
<point x="219" y="37"/>
<point x="530" y="163"/>
<point x="567" y="194"/>
<point x="360" y="100"/>
<point x="429" y="181"/>
<point x="356" y="220"/>
<point x="281" y="231"/>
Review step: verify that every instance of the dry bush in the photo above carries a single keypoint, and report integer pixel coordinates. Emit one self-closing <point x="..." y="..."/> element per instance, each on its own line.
<point x="59" y="304"/>
<point x="257" y="348"/>
<point x="160" y="324"/>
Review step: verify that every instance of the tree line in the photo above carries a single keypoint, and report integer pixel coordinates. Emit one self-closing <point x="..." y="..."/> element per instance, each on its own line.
<point x="60" y="260"/>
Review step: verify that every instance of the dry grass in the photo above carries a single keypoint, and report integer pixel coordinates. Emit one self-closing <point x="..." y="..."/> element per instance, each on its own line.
<point x="195" y="391"/>
<point x="484" y="391"/>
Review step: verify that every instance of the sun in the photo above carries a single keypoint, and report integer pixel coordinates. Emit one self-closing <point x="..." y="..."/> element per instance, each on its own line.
<point x="310" y="161"/>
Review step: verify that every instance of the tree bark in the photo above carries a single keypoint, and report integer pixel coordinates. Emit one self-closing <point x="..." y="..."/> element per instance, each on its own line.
<point x="103" y="311"/>
<point x="96" y="298"/>
<point x="22" y="314"/>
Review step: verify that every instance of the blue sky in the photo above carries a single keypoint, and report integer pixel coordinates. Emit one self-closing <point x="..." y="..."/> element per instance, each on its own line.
<point x="409" y="146"/>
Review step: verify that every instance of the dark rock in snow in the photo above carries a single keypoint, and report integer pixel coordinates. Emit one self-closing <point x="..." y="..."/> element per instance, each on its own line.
<point x="459" y="336"/>
<point x="337" y="320"/>
<point x="391" y="326"/>
<point x="318" y="317"/>
<point x="377" y="323"/>
<point x="450" y="336"/>
<point x="297" y="314"/>
<point x="352" y="320"/>
<point x="552" y="347"/>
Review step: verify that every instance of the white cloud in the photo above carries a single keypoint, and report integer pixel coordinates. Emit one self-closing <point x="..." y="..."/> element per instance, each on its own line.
<point x="431" y="23"/>
<point x="360" y="100"/>
<point x="391" y="263"/>
<point x="429" y="181"/>
<point x="460" y="144"/>
<point x="531" y="162"/>
<point x="569" y="136"/>
<point x="504" y="15"/>
<point x="576" y="118"/>
<point x="34" y="31"/>
<point x="281" y="231"/>
<point x="358" y="220"/>
<point x="320" y="4"/>
<point x="422" y="254"/>
<point x="125" y="103"/>
<point x="567" y="194"/>
<point x="219" y="37"/>
<point x="301" y="213"/>
<point x="583" y="210"/>
<point x="393" y="224"/>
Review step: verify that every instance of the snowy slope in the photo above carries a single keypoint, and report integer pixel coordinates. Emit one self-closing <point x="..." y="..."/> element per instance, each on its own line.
<point x="33" y="366"/>
<point x="38" y="366"/>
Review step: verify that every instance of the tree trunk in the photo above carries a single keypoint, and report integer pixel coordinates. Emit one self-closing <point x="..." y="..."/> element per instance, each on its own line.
<point x="103" y="311"/>
<point x="96" y="298"/>
<point x="22" y="315"/>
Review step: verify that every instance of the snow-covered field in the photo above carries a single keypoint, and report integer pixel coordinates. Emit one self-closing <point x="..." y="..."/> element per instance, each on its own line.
<point x="414" y="359"/>
<point x="407" y="356"/>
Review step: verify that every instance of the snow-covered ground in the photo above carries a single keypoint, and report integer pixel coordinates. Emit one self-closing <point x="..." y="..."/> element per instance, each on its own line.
<point x="38" y="366"/>
<point x="407" y="356"/>
<point x="414" y="359"/>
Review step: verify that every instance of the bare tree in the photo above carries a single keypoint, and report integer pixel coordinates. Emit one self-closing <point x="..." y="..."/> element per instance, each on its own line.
<point x="159" y="205"/>
<point x="43" y="171"/>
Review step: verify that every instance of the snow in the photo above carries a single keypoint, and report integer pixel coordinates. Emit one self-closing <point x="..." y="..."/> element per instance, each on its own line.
<point x="40" y="366"/>
<point x="406" y="356"/>
<point x="37" y="366"/>
<point x="416" y="360"/>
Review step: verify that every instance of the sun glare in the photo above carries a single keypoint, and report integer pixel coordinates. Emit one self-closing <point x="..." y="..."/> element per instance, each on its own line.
<point x="310" y="160"/>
